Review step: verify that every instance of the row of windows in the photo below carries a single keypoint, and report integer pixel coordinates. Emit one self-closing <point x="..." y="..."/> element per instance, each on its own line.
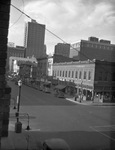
<point x="16" y="54"/>
<point x="73" y="74"/>
<point x="106" y="76"/>
<point x="98" y="46"/>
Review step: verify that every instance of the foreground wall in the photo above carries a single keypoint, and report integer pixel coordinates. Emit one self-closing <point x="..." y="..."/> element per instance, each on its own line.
<point x="4" y="89"/>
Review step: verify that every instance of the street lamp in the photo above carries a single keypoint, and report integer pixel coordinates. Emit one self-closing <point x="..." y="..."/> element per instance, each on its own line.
<point x="19" y="94"/>
<point x="81" y="92"/>
<point x="18" y="125"/>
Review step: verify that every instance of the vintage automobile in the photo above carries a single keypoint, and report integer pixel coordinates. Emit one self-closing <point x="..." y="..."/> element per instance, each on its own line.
<point x="55" y="144"/>
<point x="47" y="87"/>
<point x="59" y="91"/>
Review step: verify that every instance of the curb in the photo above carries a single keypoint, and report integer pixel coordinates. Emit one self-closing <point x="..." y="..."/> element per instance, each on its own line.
<point x="90" y="103"/>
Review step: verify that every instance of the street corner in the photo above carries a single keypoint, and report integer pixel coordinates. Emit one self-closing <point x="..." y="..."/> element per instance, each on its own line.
<point x="79" y="102"/>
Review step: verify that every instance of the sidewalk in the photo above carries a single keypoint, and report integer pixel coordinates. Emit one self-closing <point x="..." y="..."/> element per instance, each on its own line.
<point x="20" y="141"/>
<point x="72" y="99"/>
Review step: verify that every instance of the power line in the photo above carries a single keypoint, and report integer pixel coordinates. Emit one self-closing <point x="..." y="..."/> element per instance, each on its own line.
<point x="51" y="32"/>
<point x="18" y="17"/>
<point x="57" y="36"/>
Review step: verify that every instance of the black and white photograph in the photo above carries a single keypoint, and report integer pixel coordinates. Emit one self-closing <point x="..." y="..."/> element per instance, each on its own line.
<point x="57" y="74"/>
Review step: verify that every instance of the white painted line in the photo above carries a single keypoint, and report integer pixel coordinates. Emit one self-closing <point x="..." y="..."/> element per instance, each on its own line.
<point x="102" y="134"/>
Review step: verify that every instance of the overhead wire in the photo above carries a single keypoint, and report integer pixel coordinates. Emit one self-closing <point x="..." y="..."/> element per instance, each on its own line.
<point x="22" y="12"/>
<point x="18" y="17"/>
<point x="60" y="38"/>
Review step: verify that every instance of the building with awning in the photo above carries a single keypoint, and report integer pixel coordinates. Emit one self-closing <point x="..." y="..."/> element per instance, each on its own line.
<point x="91" y="78"/>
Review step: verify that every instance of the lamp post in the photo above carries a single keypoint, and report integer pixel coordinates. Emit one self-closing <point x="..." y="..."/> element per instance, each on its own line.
<point x="19" y="94"/>
<point x="18" y="125"/>
<point x="81" y="93"/>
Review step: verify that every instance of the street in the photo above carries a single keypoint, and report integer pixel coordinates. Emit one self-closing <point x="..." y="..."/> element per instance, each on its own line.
<point x="82" y="127"/>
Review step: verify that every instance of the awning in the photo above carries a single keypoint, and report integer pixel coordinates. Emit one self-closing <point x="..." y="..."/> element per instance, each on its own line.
<point x="60" y="87"/>
<point x="47" y="83"/>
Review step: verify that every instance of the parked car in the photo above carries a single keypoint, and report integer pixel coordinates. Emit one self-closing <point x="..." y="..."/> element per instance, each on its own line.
<point x="47" y="87"/>
<point x="59" y="93"/>
<point x="55" y="144"/>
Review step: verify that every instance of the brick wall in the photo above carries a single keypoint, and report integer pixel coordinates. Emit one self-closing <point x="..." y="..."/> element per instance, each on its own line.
<point x="4" y="89"/>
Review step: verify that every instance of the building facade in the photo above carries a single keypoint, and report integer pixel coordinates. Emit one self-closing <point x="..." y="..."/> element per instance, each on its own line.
<point x="42" y="68"/>
<point x="13" y="62"/>
<point x="93" y="48"/>
<point x="17" y="51"/>
<point x="93" y="79"/>
<point x="60" y="58"/>
<point x="34" y="40"/>
<point x="62" y="49"/>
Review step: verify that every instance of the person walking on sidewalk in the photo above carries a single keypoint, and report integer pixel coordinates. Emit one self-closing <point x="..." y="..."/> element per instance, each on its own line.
<point x="76" y="97"/>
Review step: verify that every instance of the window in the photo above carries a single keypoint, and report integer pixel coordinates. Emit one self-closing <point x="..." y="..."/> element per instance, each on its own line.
<point x="66" y="74"/>
<point x="105" y="76"/>
<point x="53" y="72"/>
<point x="80" y="74"/>
<point x="113" y="76"/>
<point x="85" y="74"/>
<point x="63" y="73"/>
<point x="76" y="74"/>
<point x="60" y="73"/>
<point x="72" y="74"/>
<point x="69" y="73"/>
<point x="100" y="76"/>
<point x="89" y="75"/>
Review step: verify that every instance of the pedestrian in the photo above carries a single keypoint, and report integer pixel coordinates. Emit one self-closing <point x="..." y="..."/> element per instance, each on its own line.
<point x="76" y="97"/>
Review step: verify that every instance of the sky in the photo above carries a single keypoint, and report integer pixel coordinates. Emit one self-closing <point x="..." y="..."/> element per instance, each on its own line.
<point x="70" y="20"/>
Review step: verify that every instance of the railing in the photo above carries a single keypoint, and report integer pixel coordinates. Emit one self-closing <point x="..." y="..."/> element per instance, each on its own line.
<point x="21" y="116"/>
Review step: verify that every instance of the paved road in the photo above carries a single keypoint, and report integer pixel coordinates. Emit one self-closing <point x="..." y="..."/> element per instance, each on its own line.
<point x="30" y="96"/>
<point x="83" y="127"/>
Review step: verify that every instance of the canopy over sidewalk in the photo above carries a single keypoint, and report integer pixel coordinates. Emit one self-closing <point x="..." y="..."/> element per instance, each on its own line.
<point x="60" y="87"/>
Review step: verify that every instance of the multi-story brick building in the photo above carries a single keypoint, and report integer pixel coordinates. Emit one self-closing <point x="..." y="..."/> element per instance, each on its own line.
<point x="93" y="48"/>
<point x="92" y="78"/>
<point x="60" y="58"/>
<point x="62" y="49"/>
<point x="17" y="51"/>
<point x="42" y="67"/>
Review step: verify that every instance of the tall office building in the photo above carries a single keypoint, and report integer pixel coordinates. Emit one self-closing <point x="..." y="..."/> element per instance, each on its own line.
<point x="34" y="39"/>
<point x="62" y="49"/>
